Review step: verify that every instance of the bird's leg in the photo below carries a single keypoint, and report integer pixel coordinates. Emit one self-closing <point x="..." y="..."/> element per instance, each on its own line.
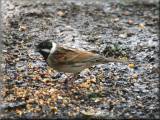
<point x="69" y="81"/>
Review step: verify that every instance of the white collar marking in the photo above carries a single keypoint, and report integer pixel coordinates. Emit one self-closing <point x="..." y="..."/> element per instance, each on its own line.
<point x="46" y="50"/>
<point x="53" y="47"/>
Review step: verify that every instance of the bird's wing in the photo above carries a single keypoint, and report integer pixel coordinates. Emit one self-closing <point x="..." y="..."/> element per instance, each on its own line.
<point x="65" y="55"/>
<point x="69" y="55"/>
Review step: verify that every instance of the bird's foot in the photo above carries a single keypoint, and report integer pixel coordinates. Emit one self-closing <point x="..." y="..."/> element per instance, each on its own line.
<point x="68" y="83"/>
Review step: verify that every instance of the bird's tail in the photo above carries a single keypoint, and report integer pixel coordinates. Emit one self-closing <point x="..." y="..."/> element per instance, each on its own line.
<point x="98" y="59"/>
<point x="106" y="60"/>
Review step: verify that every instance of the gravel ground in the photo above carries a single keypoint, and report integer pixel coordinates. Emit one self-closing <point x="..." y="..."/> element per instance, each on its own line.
<point x="127" y="30"/>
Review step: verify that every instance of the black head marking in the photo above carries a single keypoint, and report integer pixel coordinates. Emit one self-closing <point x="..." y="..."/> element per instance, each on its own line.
<point x="44" y="48"/>
<point x="44" y="45"/>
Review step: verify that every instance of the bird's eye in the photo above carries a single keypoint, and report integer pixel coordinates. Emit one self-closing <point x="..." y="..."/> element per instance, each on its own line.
<point x="49" y="45"/>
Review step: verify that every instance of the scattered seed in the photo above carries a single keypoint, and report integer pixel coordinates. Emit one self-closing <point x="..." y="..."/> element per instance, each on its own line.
<point x="22" y="28"/>
<point x="131" y="65"/>
<point x="60" y="13"/>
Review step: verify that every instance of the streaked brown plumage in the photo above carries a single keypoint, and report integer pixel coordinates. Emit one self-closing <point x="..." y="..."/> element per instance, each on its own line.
<point x="70" y="60"/>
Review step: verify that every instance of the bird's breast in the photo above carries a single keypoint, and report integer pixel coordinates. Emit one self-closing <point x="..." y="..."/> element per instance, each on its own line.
<point x="65" y="67"/>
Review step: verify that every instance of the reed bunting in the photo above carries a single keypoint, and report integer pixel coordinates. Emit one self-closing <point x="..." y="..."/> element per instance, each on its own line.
<point x="70" y="60"/>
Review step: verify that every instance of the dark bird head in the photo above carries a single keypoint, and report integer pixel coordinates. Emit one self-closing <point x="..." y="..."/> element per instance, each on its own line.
<point x="45" y="48"/>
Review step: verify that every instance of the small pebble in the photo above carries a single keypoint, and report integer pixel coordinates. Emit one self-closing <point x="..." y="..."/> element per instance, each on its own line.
<point x="141" y="26"/>
<point x="135" y="76"/>
<point x="60" y="13"/>
<point x="130" y="21"/>
<point x="124" y="35"/>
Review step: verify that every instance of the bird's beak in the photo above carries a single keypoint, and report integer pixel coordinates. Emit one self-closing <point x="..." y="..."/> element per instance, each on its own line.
<point x="37" y="49"/>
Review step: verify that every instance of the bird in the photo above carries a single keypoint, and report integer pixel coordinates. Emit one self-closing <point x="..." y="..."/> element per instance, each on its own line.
<point x="70" y="60"/>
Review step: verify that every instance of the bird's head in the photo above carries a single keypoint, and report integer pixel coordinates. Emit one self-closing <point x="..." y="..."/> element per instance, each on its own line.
<point x="45" y="48"/>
